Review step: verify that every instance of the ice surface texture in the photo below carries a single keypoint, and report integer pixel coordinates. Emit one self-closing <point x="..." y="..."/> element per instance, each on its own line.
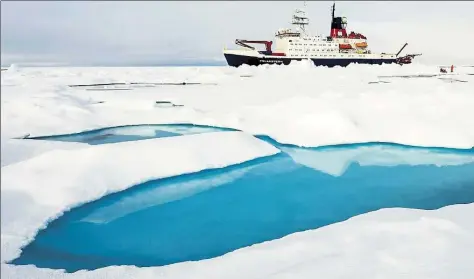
<point x="298" y="105"/>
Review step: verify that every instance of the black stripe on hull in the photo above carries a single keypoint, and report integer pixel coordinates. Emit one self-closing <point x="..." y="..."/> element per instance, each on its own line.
<point x="238" y="60"/>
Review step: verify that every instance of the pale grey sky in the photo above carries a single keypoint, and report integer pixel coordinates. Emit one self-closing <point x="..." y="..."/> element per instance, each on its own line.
<point x="160" y="32"/>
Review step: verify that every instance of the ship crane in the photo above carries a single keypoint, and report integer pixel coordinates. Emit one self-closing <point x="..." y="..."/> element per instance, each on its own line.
<point x="407" y="59"/>
<point x="244" y="43"/>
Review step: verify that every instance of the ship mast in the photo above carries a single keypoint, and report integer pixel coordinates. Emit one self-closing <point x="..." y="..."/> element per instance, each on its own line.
<point x="333" y="9"/>
<point x="300" y="19"/>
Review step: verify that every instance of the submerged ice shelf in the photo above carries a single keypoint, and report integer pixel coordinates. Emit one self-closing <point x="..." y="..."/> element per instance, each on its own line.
<point x="207" y="214"/>
<point x="132" y="133"/>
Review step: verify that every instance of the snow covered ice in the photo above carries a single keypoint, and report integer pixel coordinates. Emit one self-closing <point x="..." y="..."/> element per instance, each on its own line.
<point x="298" y="105"/>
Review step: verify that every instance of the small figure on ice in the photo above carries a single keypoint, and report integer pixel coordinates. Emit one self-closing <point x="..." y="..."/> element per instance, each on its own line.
<point x="443" y="70"/>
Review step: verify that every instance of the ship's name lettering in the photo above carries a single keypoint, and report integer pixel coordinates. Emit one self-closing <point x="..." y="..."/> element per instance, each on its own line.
<point x="271" y="61"/>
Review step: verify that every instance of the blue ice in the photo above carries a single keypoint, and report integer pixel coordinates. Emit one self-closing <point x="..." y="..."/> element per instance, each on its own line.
<point x="207" y="214"/>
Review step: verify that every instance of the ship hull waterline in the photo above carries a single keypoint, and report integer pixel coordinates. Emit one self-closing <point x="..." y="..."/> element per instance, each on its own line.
<point x="236" y="60"/>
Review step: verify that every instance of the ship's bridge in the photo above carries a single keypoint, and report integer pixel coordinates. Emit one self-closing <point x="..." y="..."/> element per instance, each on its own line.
<point x="287" y="32"/>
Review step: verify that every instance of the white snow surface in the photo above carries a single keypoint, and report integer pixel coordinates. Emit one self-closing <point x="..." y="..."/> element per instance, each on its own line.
<point x="298" y="104"/>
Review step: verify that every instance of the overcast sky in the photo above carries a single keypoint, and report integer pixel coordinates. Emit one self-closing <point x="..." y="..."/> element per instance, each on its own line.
<point x="177" y="32"/>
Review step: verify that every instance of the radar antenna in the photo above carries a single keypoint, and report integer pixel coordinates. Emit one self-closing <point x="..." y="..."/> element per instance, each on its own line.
<point x="300" y="19"/>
